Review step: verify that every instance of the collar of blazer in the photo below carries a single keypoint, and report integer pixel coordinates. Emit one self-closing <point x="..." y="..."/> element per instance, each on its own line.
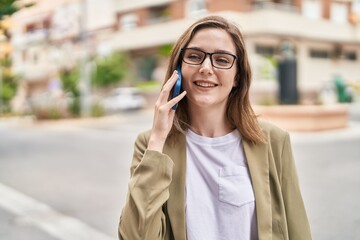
<point x="258" y="161"/>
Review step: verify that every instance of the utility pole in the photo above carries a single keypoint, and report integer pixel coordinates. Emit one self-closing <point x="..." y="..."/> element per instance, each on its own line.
<point x="85" y="73"/>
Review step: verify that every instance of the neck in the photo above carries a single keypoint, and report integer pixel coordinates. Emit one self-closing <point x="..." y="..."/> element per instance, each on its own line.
<point x="209" y="122"/>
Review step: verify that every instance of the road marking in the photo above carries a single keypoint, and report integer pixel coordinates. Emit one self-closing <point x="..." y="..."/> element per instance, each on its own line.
<point x="43" y="216"/>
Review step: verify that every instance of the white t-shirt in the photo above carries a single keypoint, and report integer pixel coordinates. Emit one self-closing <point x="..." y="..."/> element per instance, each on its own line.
<point x="220" y="203"/>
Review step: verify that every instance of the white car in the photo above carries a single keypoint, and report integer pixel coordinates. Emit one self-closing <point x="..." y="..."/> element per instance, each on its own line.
<point x="128" y="98"/>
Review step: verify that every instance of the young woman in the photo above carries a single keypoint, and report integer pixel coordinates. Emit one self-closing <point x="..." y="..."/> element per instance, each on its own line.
<point x="209" y="170"/>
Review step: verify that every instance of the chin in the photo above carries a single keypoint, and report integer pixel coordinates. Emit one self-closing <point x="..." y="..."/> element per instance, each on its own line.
<point x="203" y="103"/>
<point x="202" y="99"/>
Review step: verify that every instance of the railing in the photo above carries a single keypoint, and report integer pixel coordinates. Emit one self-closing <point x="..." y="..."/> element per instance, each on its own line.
<point x="36" y="36"/>
<point x="288" y="7"/>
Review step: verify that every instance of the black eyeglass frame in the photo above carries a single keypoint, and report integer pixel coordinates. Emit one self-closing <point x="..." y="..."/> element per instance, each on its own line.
<point x="207" y="53"/>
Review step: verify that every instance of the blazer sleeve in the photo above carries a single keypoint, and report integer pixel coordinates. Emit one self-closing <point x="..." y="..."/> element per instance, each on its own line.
<point x="142" y="217"/>
<point x="297" y="221"/>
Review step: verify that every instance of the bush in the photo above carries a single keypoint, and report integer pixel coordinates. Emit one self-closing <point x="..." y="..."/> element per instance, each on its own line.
<point x="110" y="70"/>
<point x="9" y="83"/>
<point x="97" y="110"/>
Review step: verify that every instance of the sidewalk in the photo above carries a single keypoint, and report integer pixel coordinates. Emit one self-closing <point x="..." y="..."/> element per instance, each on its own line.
<point x="30" y="121"/>
<point x="352" y="131"/>
<point x="112" y="121"/>
<point x="349" y="133"/>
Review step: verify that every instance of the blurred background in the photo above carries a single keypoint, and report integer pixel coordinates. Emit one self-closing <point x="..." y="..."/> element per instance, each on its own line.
<point x="78" y="80"/>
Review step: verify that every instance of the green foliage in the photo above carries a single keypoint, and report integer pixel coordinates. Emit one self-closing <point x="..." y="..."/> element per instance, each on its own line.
<point x="165" y="50"/>
<point x="268" y="68"/>
<point x="9" y="7"/>
<point x="149" y="85"/>
<point x="8" y="91"/>
<point x="110" y="70"/>
<point x="70" y="81"/>
<point x="75" y="107"/>
<point x="6" y="62"/>
<point x="97" y="110"/>
<point x="70" y="84"/>
<point x="8" y="83"/>
<point x="343" y="90"/>
<point x="54" y="113"/>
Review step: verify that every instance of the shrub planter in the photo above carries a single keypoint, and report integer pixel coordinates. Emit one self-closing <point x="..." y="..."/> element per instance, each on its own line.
<point x="305" y="117"/>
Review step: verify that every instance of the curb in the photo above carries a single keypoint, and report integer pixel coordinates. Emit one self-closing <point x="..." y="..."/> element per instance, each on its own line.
<point x="16" y="121"/>
<point x="351" y="132"/>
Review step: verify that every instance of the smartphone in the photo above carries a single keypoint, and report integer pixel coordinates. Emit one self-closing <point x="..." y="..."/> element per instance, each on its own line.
<point x="177" y="86"/>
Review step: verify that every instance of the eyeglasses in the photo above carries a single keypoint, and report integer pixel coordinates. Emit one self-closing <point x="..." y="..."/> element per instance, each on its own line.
<point x="196" y="56"/>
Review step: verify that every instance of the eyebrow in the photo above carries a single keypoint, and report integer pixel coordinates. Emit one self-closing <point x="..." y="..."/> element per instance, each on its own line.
<point x="216" y="51"/>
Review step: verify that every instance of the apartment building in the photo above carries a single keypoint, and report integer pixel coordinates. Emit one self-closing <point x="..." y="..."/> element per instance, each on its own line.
<point x="325" y="35"/>
<point x="56" y="34"/>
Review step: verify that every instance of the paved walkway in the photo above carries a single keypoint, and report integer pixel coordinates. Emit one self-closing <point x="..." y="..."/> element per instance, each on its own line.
<point x="352" y="131"/>
<point x="38" y="231"/>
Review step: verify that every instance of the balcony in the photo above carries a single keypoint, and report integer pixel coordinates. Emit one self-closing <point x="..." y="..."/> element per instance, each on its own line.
<point x="20" y="41"/>
<point x="262" y="22"/>
<point x="127" y="6"/>
<point x="284" y="6"/>
<point x="35" y="73"/>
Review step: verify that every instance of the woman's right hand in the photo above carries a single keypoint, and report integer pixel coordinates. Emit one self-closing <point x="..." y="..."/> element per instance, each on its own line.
<point x="164" y="115"/>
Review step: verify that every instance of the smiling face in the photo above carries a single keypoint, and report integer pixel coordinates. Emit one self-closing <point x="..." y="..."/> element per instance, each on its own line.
<point x="206" y="85"/>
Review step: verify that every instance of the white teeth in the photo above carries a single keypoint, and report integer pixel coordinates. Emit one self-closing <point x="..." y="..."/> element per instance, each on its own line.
<point x="205" y="84"/>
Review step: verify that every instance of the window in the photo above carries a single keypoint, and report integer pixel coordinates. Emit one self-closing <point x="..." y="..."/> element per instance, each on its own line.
<point x="312" y="9"/>
<point x="196" y="8"/>
<point x="159" y="14"/>
<point x="128" y="21"/>
<point x="319" y="53"/>
<point x="349" y="55"/>
<point x="356" y="6"/>
<point x="337" y="53"/>
<point x="265" y="50"/>
<point x="338" y="12"/>
<point x="282" y="5"/>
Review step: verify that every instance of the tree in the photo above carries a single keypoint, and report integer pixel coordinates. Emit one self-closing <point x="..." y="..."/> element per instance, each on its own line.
<point x="110" y="70"/>
<point x="8" y="81"/>
<point x="70" y="84"/>
<point x="9" y="7"/>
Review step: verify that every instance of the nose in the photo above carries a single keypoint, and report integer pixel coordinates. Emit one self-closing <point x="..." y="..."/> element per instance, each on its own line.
<point x="206" y="66"/>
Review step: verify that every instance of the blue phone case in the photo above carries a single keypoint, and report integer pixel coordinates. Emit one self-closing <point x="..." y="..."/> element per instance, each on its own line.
<point x="177" y="86"/>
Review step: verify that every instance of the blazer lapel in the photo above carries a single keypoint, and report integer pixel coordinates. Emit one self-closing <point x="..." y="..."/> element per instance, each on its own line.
<point x="176" y="202"/>
<point x="258" y="162"/>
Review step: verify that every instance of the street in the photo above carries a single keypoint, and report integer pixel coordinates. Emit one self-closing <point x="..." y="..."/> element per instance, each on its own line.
<point x="79" y="174"/>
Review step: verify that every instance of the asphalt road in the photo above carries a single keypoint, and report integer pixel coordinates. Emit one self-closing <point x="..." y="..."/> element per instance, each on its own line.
<point x="78" y="173"/>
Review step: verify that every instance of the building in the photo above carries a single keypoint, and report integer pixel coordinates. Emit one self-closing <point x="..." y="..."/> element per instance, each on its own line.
<point x="57" y="34"/>
<point x="325" y="34"/>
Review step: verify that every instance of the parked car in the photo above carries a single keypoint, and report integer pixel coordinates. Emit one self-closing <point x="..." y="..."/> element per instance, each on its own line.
<point x="119" y="99"/>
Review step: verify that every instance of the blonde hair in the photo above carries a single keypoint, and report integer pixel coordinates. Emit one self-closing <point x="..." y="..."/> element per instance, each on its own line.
<point x="238" y="111"/>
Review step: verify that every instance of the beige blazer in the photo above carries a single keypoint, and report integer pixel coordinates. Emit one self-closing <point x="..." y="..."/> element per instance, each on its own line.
<point x="155" y="205"/>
